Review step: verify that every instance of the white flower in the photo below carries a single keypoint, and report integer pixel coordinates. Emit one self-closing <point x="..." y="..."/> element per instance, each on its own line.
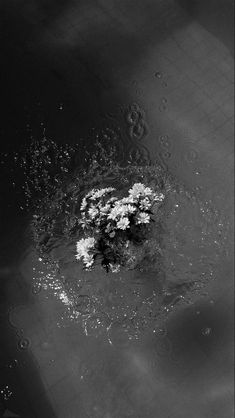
<point x="105" y="209"/>
<point x="136" y="190"/>
<point x="116" y="211"/>
<point x="83" y="246"/>
<point x="93" y="212"/>
<point x="123" y="223"/>
<point x="83" y="222"/>
<point x="89" y="261"/>
<point x="98" y="193"/>
<point x="114" y="268"/>
<point x="142" y="218"/>
<point x="127" y="200"/>
<point x="131" y="208"/>
<point x="83" y="204"/>
<point x="148" y="191"/>
<point x="90" y="193"/>
<point x="139" y="189"/>
<point x="145" y="203"/>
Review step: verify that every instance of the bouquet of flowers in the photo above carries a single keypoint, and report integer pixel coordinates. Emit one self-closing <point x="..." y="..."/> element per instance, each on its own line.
<point x="112" y="226"/>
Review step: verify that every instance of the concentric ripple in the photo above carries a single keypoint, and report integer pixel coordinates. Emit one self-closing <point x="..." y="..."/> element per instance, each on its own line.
<point x="182" y="253"/>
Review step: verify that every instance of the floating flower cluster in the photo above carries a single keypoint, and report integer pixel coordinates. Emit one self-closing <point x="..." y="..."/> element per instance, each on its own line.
<point x="110" y="224"/>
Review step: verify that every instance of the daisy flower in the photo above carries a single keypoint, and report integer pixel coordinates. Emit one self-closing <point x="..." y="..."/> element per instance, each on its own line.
<point x="143" y="218"/>
<point x="88" y="261"/>
<point x="136" y="190"/>
<point x="93" y="212"/>
<point x="114" y="268"/>
<point x="83" y="246"/>
<point x="123" y="223"/>
<point x="145" y="204"/>
<point x="127" y="200"/>
<point x="105" y="209"/>
<point x="98" y="193"/>
<point x="148" y="191"/>
<point x="83" y="204"/>
<point x="131" y="208"/>
<point x="116" y="211"/>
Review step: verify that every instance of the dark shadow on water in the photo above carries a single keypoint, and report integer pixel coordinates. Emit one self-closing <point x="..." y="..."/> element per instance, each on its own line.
<point x="18" y="371"/>
<point x="65" y="72"/>
<point x="205" y="328"/>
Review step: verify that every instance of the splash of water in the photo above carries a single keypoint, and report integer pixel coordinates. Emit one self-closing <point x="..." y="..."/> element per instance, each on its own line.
<point x="180" y="257"/>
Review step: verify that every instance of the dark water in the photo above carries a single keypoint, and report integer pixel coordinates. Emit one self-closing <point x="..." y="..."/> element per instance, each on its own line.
<point x="107" y="94"/>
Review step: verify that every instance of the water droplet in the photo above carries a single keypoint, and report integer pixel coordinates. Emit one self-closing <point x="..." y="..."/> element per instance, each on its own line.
<point x="13" y="364"/>
<point x="206" y="331"/>
<point x="158" y="74"/>
<point x="164" y="141"/>
<point x="166" y="155"/>
<point x="164" y="100"/>
<point x="164" y="84"/>
<point x="23" y="343"/>
<point x="36" y="289"/>
<point x="160" y="332"/>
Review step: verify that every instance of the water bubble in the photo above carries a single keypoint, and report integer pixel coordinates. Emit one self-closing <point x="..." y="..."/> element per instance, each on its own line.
<point x="13" y="364"/>
<point x="133" y="116"/>
<point x="164" y="100"/>
<point x="206" y="331"/>
<point x="164" y="84"/>
<point x="160" y="332"/>
<point x="164" y="141"/>
<point x="166" y="155"/>
<point x="6" y="393"/>
<point x="158" y="74"/>
<point x="23" y="343"/>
